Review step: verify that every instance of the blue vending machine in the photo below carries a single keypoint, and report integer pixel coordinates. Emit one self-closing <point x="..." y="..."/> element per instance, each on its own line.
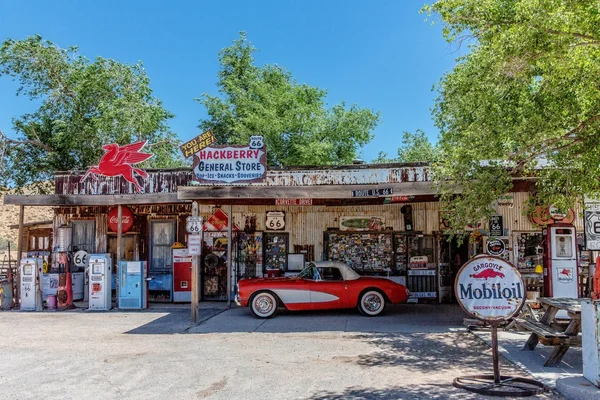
<point x="132" y="284"/>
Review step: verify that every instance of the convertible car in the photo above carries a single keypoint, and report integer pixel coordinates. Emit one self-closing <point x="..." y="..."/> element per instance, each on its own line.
<point x="322" y="285"/>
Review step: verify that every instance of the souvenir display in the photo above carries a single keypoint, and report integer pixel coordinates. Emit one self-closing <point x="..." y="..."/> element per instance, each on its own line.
<point x="276" y="249"/>
<point x="363" y="252"/>
<point x="529" y="250"/>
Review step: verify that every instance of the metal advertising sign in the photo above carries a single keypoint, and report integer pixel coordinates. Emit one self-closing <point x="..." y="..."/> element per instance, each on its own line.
<point x="275" y="220"/>
<point x="496" y="224"/>
<point x="495" y="246"/>
<point x="230" y="164"/>
<point x="198" y="143"/>
<point x="592" y="229"/>
<point x="119" y="161"/>
<point x="126" y="219"/>
<point x="490" y="289"/>
<point x="193" y="225"/>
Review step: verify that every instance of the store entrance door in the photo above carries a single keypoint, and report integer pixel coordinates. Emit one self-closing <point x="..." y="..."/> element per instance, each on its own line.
<point x="214" y="266"/>
<point x="452" y="257"/>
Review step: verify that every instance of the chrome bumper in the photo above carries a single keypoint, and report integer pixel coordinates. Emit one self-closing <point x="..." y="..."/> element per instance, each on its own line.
<point x="237" y="300"/>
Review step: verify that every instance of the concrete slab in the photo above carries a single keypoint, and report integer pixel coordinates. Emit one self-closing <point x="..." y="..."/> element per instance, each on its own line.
<point x="577" y="388"/>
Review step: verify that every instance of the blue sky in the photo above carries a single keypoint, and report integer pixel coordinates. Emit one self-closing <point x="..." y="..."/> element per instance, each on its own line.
<point x="378" y="54"/>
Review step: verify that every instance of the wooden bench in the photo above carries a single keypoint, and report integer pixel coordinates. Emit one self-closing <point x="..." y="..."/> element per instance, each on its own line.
<point x="548" y="336"/>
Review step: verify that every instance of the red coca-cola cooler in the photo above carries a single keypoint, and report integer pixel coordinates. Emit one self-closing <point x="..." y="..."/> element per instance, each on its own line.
<point x="182" y="276"/>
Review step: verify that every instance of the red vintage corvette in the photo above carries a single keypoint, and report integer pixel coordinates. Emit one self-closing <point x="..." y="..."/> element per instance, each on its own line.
<point x="322" y="285"/>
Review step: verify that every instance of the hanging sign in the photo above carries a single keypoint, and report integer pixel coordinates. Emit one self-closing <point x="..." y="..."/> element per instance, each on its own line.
<point x="194" y="245"/>
<point x="490" y="289"/>
<point x="126" y="219"/>
<point x="275" y="220"/>
<point x="362" y="223"/>
<point x="372" y="192"/>
<point x="198" y="143"/>
<point x="193" y="225"/>
<point x="496" y="224"/>
<point x="119" y="161"/>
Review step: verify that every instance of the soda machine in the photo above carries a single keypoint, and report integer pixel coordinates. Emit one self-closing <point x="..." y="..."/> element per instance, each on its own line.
<point x="560" y="262"/>
<point x="31" y="269"/>
<point x="100" y="271"/>
<point x="132" y="284"/>
<point x="182" y="275"/>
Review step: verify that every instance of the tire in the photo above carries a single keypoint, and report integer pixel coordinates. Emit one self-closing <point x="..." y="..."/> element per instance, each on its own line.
<point x="371" y="303"/>
<point x="263" y="305"/>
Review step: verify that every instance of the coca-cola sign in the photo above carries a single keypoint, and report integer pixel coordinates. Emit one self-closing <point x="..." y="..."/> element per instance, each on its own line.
<point x="126" y="219"/>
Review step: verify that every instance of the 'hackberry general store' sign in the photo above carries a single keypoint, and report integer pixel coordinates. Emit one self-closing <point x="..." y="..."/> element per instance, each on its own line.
<point x="230" y="164"/>
<point x="490" y="288"/>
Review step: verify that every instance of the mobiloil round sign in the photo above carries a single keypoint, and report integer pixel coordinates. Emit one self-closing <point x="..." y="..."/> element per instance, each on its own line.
<point x="490" y="288"/>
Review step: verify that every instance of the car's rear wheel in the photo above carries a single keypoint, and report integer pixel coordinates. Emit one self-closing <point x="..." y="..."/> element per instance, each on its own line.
<point x="371" y="303"/>
<point x="263" y="305"/>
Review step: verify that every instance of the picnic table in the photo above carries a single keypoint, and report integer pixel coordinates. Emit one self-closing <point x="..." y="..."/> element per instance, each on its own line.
<point x="549" y="331"/>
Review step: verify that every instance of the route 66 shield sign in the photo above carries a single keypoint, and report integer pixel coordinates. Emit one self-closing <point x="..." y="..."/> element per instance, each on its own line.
<point x="275" y="220"/>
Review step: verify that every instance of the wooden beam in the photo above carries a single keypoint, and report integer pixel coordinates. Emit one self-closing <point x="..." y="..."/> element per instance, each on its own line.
<point x="119" y="244"/>
<point x="299" y="192"/>
<point x="92" y="200"/>
<point x="195" y="275"/>
<point x="20" y="238"/>
<point x="229" y="257"/>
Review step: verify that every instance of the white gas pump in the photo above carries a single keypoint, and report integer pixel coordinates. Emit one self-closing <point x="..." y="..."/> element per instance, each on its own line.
<point x="560" y="263"/>
<point x="31" y="269"/>
<point x="100" y="274"/>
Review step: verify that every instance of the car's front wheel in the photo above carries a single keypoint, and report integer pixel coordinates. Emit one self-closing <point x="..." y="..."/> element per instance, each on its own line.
<point x="263" y="305"/>
<point x="371" y="303"/>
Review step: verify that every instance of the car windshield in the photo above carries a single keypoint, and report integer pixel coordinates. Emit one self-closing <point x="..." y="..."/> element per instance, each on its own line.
<point x="310" y="272"/>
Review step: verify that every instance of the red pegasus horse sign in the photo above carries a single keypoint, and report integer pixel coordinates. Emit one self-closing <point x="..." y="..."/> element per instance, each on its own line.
<point x="119" y="161"/>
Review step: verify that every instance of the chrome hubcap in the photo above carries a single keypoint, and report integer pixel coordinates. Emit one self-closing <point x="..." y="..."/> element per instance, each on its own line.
<point x="263" y="304"/>
<point x="372" y="303"/>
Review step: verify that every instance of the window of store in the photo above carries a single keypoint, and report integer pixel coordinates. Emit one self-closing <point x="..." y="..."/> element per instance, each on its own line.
<point x="83" y="236"/>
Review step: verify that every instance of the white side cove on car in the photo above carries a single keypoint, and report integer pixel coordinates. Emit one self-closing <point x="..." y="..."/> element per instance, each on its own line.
<point x="293" y="296"/>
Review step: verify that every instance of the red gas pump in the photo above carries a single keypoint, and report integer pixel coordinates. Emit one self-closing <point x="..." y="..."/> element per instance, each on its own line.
<point x="560" y="261"/>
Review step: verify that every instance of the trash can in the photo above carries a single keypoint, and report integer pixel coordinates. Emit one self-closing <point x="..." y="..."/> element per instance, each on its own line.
<point x="6" y="295"/>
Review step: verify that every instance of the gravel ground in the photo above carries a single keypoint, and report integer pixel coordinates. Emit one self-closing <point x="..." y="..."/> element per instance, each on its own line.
<point x="413" y="352"/>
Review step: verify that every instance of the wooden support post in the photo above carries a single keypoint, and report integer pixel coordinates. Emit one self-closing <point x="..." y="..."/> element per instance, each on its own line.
<point x="195" y="275"/>
<point x="20" y="238"/>
<point x="119" y="244"/>
<point x="229" y="258"/>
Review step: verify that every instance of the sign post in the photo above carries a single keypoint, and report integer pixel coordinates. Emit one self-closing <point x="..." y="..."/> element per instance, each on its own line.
<point x="492" y="290"/>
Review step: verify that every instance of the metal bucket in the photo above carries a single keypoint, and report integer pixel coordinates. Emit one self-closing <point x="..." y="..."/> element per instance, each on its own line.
<point x="51" y="302"/>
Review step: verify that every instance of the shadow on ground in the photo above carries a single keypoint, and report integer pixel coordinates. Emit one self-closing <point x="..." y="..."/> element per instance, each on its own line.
<point x="174" y="321"/>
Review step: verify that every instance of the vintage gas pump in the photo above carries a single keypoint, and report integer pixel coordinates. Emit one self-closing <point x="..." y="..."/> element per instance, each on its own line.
<point x="31" y="268"/>
<point x="100" y="271"/>
<point x="133" y="289"/>
<point x="560" y="261"/>
<point x="64" y="293"/>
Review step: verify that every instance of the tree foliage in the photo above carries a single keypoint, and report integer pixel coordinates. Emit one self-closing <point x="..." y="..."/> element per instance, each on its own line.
<point x="294" y="119"/>
<point x="83" y="104"/>
<point x="415" y="147"/>
<point x="525" y="101"/>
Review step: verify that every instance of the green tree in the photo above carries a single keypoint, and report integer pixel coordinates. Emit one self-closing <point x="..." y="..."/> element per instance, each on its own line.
<point x="525" y="101"/>
<point x="415" y="147"/>
<point x="83" y="104"/>
<point x="293" y="118"/>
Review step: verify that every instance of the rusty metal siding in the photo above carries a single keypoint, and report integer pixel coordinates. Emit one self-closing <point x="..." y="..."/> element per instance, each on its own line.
<point x="516" y="219"/>
<point x="164" y="181"/>
<point x="101" y="238"/>
<point x="167" y="181"/>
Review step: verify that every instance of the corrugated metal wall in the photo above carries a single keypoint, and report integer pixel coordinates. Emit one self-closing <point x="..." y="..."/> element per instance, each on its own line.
<point x="307" y="224"/>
